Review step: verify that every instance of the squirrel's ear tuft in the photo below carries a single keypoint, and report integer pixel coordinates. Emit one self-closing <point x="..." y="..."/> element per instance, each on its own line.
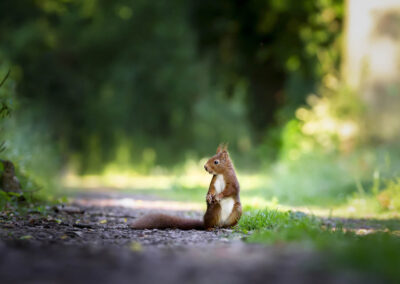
<point x="223" y="147"/>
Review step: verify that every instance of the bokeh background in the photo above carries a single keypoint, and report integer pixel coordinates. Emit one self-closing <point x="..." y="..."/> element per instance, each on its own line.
<point x="134" y="95"/>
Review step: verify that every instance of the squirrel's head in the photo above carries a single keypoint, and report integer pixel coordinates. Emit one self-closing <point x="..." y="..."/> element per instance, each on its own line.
<point x="8" y="167"/>
<point x="220" y="162"/>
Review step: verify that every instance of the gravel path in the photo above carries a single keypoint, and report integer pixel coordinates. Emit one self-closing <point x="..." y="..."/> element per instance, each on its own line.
<point x="90" y="242"/>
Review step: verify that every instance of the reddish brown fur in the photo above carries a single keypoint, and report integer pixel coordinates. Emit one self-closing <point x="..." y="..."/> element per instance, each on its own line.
<point x="232" y="188"/>
<point x="212" y="216"/>
<point x="162" y="221"/>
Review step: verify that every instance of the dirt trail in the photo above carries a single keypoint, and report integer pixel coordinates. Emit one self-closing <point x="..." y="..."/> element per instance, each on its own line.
<point x="90" y="242"/>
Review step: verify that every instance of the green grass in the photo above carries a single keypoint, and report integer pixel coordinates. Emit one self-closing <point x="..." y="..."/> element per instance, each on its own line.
<point x="376" y="253"/>
<point x="16" y="204"/>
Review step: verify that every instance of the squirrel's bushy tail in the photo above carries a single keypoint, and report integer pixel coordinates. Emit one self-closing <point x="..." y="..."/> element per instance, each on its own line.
<point x="162" y="221"/>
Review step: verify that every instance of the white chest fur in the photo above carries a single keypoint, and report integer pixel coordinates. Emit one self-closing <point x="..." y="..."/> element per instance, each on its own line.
<point x="226" y="209"/>
<point x="219" y="183"/>
<point x="226" y="203"/>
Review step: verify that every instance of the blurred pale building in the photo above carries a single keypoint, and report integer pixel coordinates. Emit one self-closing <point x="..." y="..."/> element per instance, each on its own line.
<point x="372" y="62"/>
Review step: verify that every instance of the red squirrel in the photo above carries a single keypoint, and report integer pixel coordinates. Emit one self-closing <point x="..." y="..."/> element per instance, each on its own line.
<point x="223" y="202"/>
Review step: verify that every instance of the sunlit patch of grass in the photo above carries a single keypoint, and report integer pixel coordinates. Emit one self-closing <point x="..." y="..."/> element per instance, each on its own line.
<point x="256" y="193"/>
<point x="257" y="202"/>
<point x="316" y="191"/>
<point x="138" y="203"/>
<point x="118" y="182"/>
<point x="191" y="186"/>
<point x="375" y="253"/>
<point x="356" y="206"/>
<point x="130" y="179"/>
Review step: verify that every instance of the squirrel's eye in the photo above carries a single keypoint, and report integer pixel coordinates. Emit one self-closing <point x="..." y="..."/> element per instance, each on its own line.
<point x="216" y="162"/>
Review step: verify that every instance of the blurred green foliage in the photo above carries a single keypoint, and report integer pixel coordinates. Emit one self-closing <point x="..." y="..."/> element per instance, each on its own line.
<point x="29" y="147"/>
<point x="157" y="82"/>
<point x="23" y="140"/>
<point x="278" y="49"/>
<point x="139" y="87"/>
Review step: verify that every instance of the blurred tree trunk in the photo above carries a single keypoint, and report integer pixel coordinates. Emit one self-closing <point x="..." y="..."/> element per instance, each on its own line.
<point x="372" y="63"/>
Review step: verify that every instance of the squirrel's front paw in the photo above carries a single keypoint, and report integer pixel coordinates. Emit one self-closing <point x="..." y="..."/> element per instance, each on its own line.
<point x="218" y="197"/>
<point x="209" y="198"/>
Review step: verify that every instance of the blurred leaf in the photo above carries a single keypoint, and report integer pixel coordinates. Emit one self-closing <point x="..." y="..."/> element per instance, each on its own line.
<point x="136" y="247"/>
<point x="14" y="194"/>
<point x="26" y="237"/>
<point x="5" y="78"/>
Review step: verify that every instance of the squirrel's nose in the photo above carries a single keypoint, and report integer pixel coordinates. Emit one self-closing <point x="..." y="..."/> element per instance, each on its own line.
<point x="205" y="167"/>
